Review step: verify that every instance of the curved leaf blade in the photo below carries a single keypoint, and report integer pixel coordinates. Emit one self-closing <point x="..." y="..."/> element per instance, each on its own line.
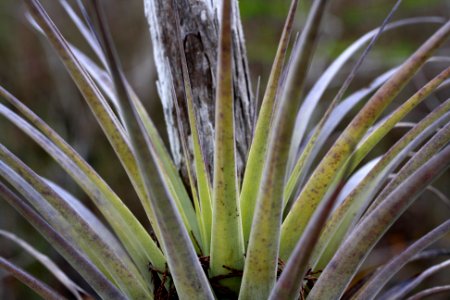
<point x="86" y="268"/>
<point x="35" y="284"/>
<point x="372" y="287"/>
<point x="330" y="167"/>
<point x="351" y="254"/>
<point x="262" y="253"/>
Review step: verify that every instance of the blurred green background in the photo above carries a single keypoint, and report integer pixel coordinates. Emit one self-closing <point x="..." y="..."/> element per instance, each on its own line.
<point x="30" y="70"/>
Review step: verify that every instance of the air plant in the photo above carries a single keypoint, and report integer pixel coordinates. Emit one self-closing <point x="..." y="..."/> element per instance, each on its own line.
<point x="279" y="223"/>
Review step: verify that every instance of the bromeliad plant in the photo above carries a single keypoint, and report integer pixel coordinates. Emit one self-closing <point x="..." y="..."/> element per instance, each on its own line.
<point x="291" y="228"/>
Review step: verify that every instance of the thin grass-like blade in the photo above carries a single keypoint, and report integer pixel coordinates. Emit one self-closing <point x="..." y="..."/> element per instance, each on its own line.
<point x="314" y="95"/>
<point x="203" y="181"/>
<point x="429" y="292"/>
<point x="312" y="142"/>
<point x="84" y="30"/>
<point x="100" y="76"/>
<point x="440" y="195"/>
<point x="201" y="185"/>
<point x="79" y="262"/>
<point x="342" y="109"/>
<point x="356" y="179"/>
<point x="128" y="103"/>
<point x="168" y="168"/>
<point x="32" y="282"/>
<point x="412" y="165"/>
<point x="134" y="237"/>
<point x="185" y="269"/>
<point x="108" y="121"/>
<point x="262" y="254"/>
<point x="339" y="272"/>
<point x="89" y="217"/>
<point x="370" y="141"/>
<point x="176" y="187"/>
<point x="108" y="257"/>
<point x="331" y="166"/>
<point x="400" y="293"/>
<point x="372" y="287"/>
<point x="308" y="156"/>
<point x="257" y="153"/>
<point x="291" y="280"/>
<point x="200" y="245"/>
<point x="163" y="158"/>
<point x="358" y="199"/>
<point x="227" y="245"/>
<point x="76" y="290"/>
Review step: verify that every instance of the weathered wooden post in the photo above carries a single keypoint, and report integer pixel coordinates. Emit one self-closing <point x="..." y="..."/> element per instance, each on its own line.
<point x="197" y="22"/>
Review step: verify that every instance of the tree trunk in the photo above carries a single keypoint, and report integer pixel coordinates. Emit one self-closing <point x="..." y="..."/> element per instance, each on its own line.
<point x="198" y="27"/>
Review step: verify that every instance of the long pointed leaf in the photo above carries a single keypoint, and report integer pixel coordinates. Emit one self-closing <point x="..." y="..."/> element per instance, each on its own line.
<point x="338" y="273"/>
<point x="331" y="165"/>
<point x="186" y="271"/>
<point x="291" y="280"/>
<point x="257" y="153"/>
<point x="319" y="88"/>
<point x="32" y="282"/>
<point x="227" y="245"/>
<point x="306" y="158"/>
<point x="118" y="266"/>
<point x="347" y="213"/>
<point x="105" y="116"/>
<point x="137" y="241"/>
<point x="376" y="283"/>
<point x="262" y="254"/>
<point x="413" y="164"/>
<point x="203" y="182"/>
<point x="382" y="129"/>
<point x="89" y="271"/>
<point x="47" y="263"/>
<point x="403" y="291"/>
<point x="429" y="292"/>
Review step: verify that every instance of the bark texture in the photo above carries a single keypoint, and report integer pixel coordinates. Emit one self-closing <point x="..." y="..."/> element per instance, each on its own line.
<point x="198" y="30"/>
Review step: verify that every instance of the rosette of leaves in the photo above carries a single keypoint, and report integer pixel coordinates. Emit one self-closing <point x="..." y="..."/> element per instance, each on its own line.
<point x="284" y="221"/>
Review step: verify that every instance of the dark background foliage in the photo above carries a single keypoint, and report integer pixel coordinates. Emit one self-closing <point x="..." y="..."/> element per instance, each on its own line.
<point x="30" y="70"/>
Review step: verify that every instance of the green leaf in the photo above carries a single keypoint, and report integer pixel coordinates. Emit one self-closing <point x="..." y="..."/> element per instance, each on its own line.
<point x="291" y="280"/>
<point x="262" y="255"/>
<point x="308" y="154"/>
<point x="341" y="269"/>
<point x="163" y="158"/>
<point x="109" y="257"/>
<point x="412" y="165"/>
<point x="76" y="290"/>
<point x="257" y="153"/>
<point x="326" y="173"/>
<point x="227" y="245"/>
<point x="129" y="104"/>
<point x="369" y="142"/>
<point x="346" y="213"/>
<point x="134" y="237"/>
<point x="306" y="158"/>
<point x="108" y="121"/>
<point x="78" y="261"/>
<point x="203" y="181"/>
<point x="84" y="30"/>
<point x="315" y="94"/>
<point x="185" y="269"/>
